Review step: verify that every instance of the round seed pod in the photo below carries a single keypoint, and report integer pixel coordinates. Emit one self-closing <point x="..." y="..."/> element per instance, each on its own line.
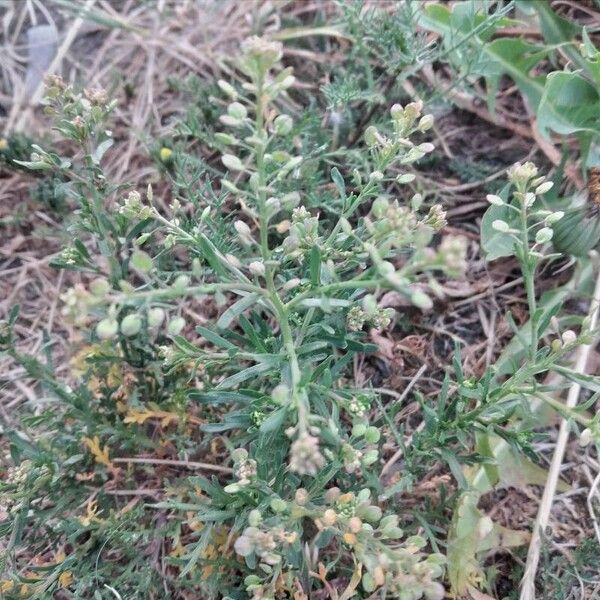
<point x="107" y="329"/>
<point x="131" y="325"/>
<point x="156" y="316"/>
<point x="579" y="230"/>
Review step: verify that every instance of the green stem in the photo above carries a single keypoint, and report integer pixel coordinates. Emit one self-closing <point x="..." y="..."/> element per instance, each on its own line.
<point x="279" y="307"/>
<point x="528" y="268"/>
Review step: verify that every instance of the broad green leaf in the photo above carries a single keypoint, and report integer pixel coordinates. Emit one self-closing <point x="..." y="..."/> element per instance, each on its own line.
<point x="569" y="104"/>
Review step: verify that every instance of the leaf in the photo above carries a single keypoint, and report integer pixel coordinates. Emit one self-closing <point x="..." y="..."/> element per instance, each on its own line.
<point x="100" y="151"/>
<point x="339" y="182"/>
<point x="215" y="338"/>
<point x="515" y="58"/>
<point x="244" y="374"/>
<point x="219" y="397"/>
<point x="291" y="33"/>
<point x="236" y="309"/>
<point x="100" y="454"/>
<point x="570" y="104"/>
<point x="274" y="421"/>
<point x="315" y="266"/>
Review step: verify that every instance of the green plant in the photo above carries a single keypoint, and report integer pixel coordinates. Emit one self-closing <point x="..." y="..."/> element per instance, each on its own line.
<point x="270" y="370"/>
<point x="284" y="243"/>
<point x="565" y="101"/>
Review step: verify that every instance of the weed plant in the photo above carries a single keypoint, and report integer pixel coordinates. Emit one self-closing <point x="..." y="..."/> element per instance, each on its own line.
<point x="232" y="456"/>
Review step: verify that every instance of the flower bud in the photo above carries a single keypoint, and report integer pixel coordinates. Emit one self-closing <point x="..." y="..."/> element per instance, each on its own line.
<point x="227" y="88"/>
<point x="332" y="494"/>
<point x="544" y="187"/>
<point x="554" y="217"/>
<point x="280" y="393"/>
<point x="568" y="337"/>
<point x="257" y="268"/>
<point x="165" y="154"/>
<point x="287" y="82"/>
<point x="397" y="112"/>
<point x="376" y="176"/>
<point x="586" y="437"/>
<point x="495" y="200"/>
<point x="131" y="325"/>
<point x="242" y="229"/>
<point x="544" y="235"/>
<point x="425" y="123"/>
<point x="181" y="282"/>
<point x="372" y="514"/>
<point x="421" y="300"/>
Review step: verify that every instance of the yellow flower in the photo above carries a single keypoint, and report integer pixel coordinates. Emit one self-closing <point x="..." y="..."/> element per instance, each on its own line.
<point x="6" y="585"/>
<point x="350" y="539"/>
<point x="3" y="144"/>
<point x="165" y="154"/>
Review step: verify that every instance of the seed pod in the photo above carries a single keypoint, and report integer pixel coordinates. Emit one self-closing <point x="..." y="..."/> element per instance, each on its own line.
<point x="131" y="325"/>
<point x="107" y="329"/>
<point x="176" y="325"/>
<point x="156" y="316"/>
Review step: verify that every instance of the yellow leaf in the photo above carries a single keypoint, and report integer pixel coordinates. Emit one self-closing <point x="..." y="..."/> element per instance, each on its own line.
<point x="100" y="454"/>
<point x="92" y="509"/>
<point x="179" y="550"/>
<point x="65" y="579"/>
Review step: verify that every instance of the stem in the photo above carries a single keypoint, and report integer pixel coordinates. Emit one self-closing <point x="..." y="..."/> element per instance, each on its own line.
<point x="280" y="309"/>
<point x="528" y="266"/>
